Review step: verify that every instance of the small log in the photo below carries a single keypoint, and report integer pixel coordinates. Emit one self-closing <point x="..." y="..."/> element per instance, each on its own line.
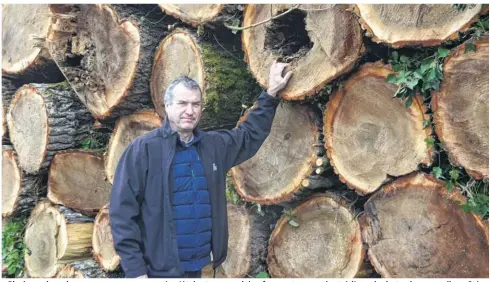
<point x="322" y="162"/>
<point x="8" y="92"/>
<point x="327" y="242"/>
<point x="25" y="58"/>
<point x="77" y="180"/>
<point x="126" y="130"/>
<point x="44" y="119"/>
<point x="317" y="181"/>
<point x="415" y="25"/>
<point x="415" y="228"/>
<point x="55" y="236"/>
<point x="285" y="158"/>
<point x="20" y="191"/>
<point x="102" y="242"/>
<point x="366" y="143"/>
<point x="461" y="108"/>
<point x="110" y="76"/>
<point x="321" y="41"/>
<point x="226" y="83"/>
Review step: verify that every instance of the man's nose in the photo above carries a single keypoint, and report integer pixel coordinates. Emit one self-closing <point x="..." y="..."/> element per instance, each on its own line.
<point x="189" y="109"/>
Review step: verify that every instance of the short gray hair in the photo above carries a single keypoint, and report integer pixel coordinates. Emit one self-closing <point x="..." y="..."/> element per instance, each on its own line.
<point x="188" y="82"/>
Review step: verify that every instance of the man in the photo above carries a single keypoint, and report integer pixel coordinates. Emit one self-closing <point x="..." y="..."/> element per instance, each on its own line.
<point x="168" y="204"/>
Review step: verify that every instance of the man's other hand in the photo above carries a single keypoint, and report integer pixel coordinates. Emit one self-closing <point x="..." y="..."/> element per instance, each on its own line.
<point x="276" y="81"/>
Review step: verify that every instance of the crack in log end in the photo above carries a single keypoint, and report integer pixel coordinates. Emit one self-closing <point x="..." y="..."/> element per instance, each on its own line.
<point x="287" y="37"/>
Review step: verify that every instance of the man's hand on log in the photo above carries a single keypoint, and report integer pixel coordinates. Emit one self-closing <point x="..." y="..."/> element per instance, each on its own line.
<point x="276" y="81"/>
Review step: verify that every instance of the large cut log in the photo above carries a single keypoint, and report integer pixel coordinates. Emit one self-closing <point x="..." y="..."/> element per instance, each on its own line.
<point x="249" y="234"/>
<point x="126" y="130"/>
<point x="24" y="56"/>
<point x="20" y="191"/>
<point x="8" y="92"/>
<point x="283" y="161"/>
<point x="102" y="242"/>
<point x="327" y="242"/>
<point x="370" y="136"/>
<point x="461" y="108"/>
<point x="412" y="25"/>
<point x="110" y="76"/>
<point x="320" y="41"/>
<point x="194" y="14"/>
<point x="44" y="119"/>
<point x="55" y="236"/>
<point x="226" y="83"/>
<point x="414" y="228"/>
<point x="77" y="180"/>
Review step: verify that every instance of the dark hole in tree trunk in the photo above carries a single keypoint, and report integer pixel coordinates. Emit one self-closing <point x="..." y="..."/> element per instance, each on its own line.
<point x="72" y="60"/>
<point x="287" y="36"/>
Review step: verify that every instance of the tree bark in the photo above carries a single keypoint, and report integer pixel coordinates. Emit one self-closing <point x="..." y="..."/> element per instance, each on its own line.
<point x="77" y="180"/>
<point x="126" y="130"/>
<point x="55" y="236"/>
<point x="415" y="25"/>
<point x="325" y="243"/>
<point x="461" y="108"/>
<point x="110" y="76"/>
<point x="438" y="240"/>
<point x="333" y="33"/>
<point x="225" y="82"/>
<point x="25" y="58"/>
<point x="8" y="92"/>
<point x="286" y="157"/>
<point x="44" y="119"/>
<point x="372" y="138"/>
<point x="20" y="191"/>
<point x="102" y="242"/>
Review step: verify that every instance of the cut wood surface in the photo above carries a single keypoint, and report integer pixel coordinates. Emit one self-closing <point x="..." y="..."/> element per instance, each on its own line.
<point x="193" y="14"/>
<point x="327" y="242"/>
<point x="44" y="119"/>
<point x="333" y="32"/>
<point x="285" y="158"/>
<point x="421" y="24"/>
<point x="55" y="236"/>
<point x="24" y="56"/>
<point x="20" y="191"/>
<point x="126" y="130"/>
<point x="102" y="242"/>
<point x="77" y="180"/>
<point x="370" y="136"/>
<point x="110" y="76"/>
<point x="461" y="108"/>
<point x="415" y="228"/>
<point x="225" y="82"/>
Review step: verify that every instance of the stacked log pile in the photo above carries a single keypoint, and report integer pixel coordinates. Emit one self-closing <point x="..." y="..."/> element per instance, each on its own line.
<point x="342" y="186"/>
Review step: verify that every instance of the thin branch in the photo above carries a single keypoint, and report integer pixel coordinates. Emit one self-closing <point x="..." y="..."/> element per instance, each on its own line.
<point x="228" y="52"/>
<point x="322" y="9"/>
<point x="262" y="22"/>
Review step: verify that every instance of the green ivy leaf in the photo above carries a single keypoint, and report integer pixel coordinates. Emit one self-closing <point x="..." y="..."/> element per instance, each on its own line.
<point x="408" y="102"/>
<point x="449" y="186"/>
<point x="397" y="67"/>
<point x="430" y="141"/>
<point x="391" y="78"/>
<point x="394" y="55"/>
<point x="469" y="47"/>
<point x="262" y="275"/>
<point x="442" y="52"/>
<point x="425" y="123"/>
<point x="454" y="173"/>
<point x="404" y="59"/>
<point x="293" y="223"/>
<point x="437" y="172"/>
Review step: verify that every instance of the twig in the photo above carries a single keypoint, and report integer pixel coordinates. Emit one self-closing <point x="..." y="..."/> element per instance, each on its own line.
<point x="322" y="9"/>
<point x="228" y="52"/>
<point x="262" y="22"/>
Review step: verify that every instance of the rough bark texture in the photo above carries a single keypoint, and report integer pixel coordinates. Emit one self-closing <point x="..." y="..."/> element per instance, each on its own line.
<point x="110" y="76"/>
<point x="461" y="108"/>
<point x="55" y="236"/>
<point x="8" y="92"/>
<point x="333" y="31"/>
<point x="286" y="157"/>
<point x="126" y="130"/>
<point x="327" y="242"/>
<point x="86" y="269"/>
<point x="24" y="56"/>
<point x="415" y="228"/>
<point x="226" y="82"/>
<point x="371" y="137"/>
<point x="77" y="180"/>
<point x="44" y="119"/>
<point x="412" y="25"/>
<point x="20" y="191"/>
<point x="102" y="242"/>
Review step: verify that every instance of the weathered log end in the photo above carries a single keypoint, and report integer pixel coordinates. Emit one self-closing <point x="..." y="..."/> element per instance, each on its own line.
<point x="102" y="242"/>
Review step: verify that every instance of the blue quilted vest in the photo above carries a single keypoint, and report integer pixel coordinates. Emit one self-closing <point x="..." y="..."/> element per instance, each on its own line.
<point x="191" y="207"/>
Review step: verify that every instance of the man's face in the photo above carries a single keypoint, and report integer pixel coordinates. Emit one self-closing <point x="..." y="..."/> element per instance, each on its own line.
<point x="185" y="110"/>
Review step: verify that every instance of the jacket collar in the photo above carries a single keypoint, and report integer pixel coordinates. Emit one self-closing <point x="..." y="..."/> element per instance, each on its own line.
<point x="166" y="131"/>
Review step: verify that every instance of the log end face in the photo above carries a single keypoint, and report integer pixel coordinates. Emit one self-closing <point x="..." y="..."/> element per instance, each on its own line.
<point x="11" y="181"/>
<point x="194" y="14"/>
